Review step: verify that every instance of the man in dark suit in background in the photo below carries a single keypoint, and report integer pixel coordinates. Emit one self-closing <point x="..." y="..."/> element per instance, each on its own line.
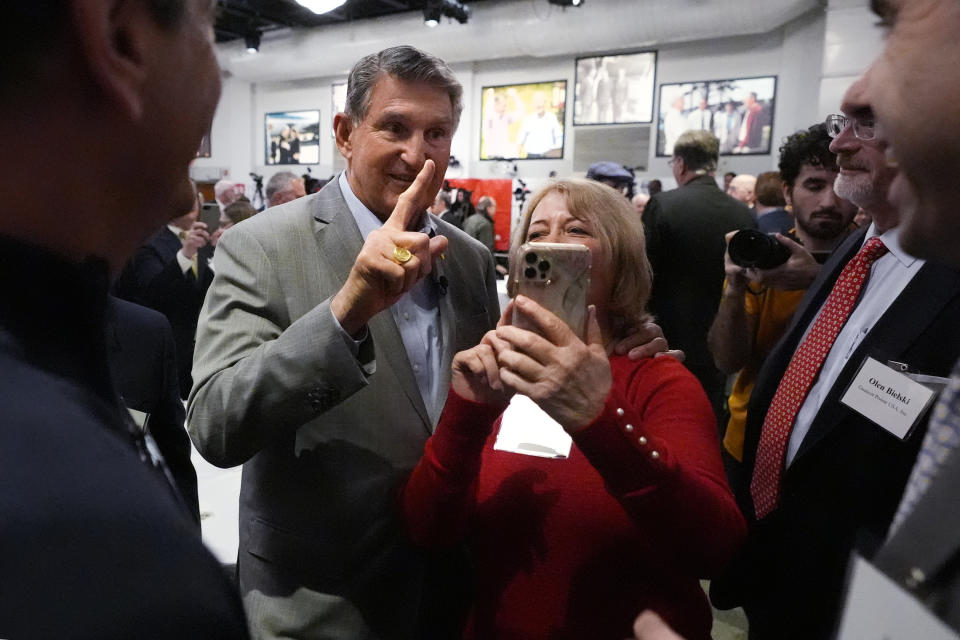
<point x="824" y="478"/>
<point x="171" y="273"/>
<point x="441" y="209"/>
<point x="685" y="231"/>
<point x="144" y="365"/>
<point x="94" y="543"/>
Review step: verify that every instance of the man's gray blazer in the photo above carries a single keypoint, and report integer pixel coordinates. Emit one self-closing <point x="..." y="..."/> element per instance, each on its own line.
<point x="324" y="446"/>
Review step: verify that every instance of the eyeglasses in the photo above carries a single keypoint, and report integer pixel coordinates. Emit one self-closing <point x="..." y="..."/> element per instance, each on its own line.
<point x="863" y="128"/>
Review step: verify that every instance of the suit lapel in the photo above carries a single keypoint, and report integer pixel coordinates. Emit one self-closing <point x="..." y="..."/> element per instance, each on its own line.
<point x="340" y="242"/>
<point x="932" y="288"/>
<point x="169" y="242"/>
<point x="457" y="303"/>
<point x="447" y="303"/>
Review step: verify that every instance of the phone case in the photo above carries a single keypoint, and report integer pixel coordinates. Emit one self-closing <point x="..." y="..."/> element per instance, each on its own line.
<point x="557" y="277"/>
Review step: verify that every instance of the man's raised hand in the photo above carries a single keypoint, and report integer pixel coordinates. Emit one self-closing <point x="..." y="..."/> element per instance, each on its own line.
<point x="391" y="261"/>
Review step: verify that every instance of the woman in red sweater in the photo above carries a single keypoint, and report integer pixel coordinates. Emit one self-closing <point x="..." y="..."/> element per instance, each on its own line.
<point x="631" y="508"/>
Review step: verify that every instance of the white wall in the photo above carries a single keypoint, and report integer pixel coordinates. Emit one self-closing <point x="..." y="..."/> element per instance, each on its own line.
<point x="852" y="41"/>
<point x="792" y="52"/>
<point x="232" y="136"/>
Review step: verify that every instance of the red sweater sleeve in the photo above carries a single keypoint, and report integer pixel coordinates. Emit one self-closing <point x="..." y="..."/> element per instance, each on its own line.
<point x="657" y="447"/>
<point x="439" y="497"/>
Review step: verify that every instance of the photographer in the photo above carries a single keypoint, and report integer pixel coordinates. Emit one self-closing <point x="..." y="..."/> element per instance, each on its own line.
<point x="758" y="303"/>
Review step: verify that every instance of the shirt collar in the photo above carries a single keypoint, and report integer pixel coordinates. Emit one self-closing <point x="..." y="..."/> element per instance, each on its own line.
<point x="891" y="240"/>
<point x="175" y="230"/>
<point x="367" y="221"/>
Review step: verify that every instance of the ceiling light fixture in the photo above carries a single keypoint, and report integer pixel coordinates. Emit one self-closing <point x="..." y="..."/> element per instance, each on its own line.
<point x="436" y="9"/>
<point x="252" y="40"/>
<point x="321" y="6"/>
<point x="432" y="13"/>
<point x="567" y="3"/>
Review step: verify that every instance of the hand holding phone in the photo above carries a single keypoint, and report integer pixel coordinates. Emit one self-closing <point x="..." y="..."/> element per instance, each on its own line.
<point x="557" y="277"/>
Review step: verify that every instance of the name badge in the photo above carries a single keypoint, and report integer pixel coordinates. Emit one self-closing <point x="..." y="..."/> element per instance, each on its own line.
<point x="878" y="609"/>
<point x="527" y="429"/>
<point x="891" y="399"/>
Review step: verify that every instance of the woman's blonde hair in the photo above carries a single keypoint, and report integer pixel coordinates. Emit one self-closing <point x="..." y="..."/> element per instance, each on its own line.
<point x="620" y="232"/>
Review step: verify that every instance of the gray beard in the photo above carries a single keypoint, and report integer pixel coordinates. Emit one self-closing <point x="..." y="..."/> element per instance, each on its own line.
<point x="859" y="192"/>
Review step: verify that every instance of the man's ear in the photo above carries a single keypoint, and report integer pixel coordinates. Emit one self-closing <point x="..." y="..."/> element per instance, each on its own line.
<point x="342" y="129"/>
<point x="115" y="39"/>
<point x="788" y="194"/>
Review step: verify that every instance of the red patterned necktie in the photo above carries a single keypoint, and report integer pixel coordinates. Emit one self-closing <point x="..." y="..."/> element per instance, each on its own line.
<point x="800" y="374"/>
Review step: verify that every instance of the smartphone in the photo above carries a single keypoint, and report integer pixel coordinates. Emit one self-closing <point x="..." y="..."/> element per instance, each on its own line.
<point x="557" y="277"/>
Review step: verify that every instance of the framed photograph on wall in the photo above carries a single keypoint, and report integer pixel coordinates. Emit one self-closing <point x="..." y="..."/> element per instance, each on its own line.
<point x="738" y="111"/>
<point x="615" y="89"/>
<point x="292" y="137"/>
<point x="523" y="121"/>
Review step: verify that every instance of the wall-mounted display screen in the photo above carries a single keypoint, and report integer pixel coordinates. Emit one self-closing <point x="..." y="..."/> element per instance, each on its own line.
<point x="615" y="89"/>
<point x="292" y="137"/>
<point x="523" y="121"/>
<point x="739" y="112"/>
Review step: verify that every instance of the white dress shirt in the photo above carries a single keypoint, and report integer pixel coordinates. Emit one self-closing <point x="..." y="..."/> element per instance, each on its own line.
<point x="889" y="276"/>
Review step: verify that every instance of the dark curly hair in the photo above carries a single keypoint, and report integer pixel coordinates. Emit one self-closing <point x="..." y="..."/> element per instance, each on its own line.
<point x="810" y="146"/>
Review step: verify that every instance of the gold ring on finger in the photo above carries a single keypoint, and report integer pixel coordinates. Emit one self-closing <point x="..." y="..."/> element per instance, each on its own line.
<point x="402" y="255"/>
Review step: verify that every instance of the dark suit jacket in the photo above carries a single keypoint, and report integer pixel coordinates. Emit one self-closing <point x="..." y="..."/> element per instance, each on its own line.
<point x="154" y="279"/>
<point x="324" y="446"/>
<point x="776" y="221"/>
<point x="94" y="544"/>
<point x="685" y="231"/>
<point x="847" y="478"/>
<point x="143" y="364"/>
<point x="450" y="217"/>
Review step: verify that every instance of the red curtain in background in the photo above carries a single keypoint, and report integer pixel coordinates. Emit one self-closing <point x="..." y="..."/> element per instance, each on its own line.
<point x="502" y="192"/>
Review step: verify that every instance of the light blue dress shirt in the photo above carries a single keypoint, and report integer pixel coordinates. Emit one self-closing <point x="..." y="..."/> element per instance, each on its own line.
<point x="417" y="313"/>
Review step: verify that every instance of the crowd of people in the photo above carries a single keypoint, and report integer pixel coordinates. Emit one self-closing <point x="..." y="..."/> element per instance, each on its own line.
<point x="417" y="461"/>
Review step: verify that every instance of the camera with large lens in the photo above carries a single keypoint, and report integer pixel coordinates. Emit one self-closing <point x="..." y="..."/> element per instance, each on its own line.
<point x="751" y="248"/>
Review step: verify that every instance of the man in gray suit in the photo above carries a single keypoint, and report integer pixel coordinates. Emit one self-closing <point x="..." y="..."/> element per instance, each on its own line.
<point x="327" y="401"/>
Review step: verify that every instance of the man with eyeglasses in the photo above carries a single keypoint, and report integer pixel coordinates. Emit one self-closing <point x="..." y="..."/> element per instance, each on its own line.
<point x="824" y="478"/>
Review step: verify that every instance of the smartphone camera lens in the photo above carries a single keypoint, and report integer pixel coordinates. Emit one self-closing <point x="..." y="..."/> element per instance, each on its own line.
<point x="530" y="272"/>
<point x="531" y="258"/>
<point x="544" y="265"/>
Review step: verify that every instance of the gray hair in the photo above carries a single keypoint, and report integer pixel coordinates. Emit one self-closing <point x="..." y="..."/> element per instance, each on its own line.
<point x="700" y="150"/>
<point x="484" y="204"/>
<point x="405" y="63"/>
<point x="280" y="181"/>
